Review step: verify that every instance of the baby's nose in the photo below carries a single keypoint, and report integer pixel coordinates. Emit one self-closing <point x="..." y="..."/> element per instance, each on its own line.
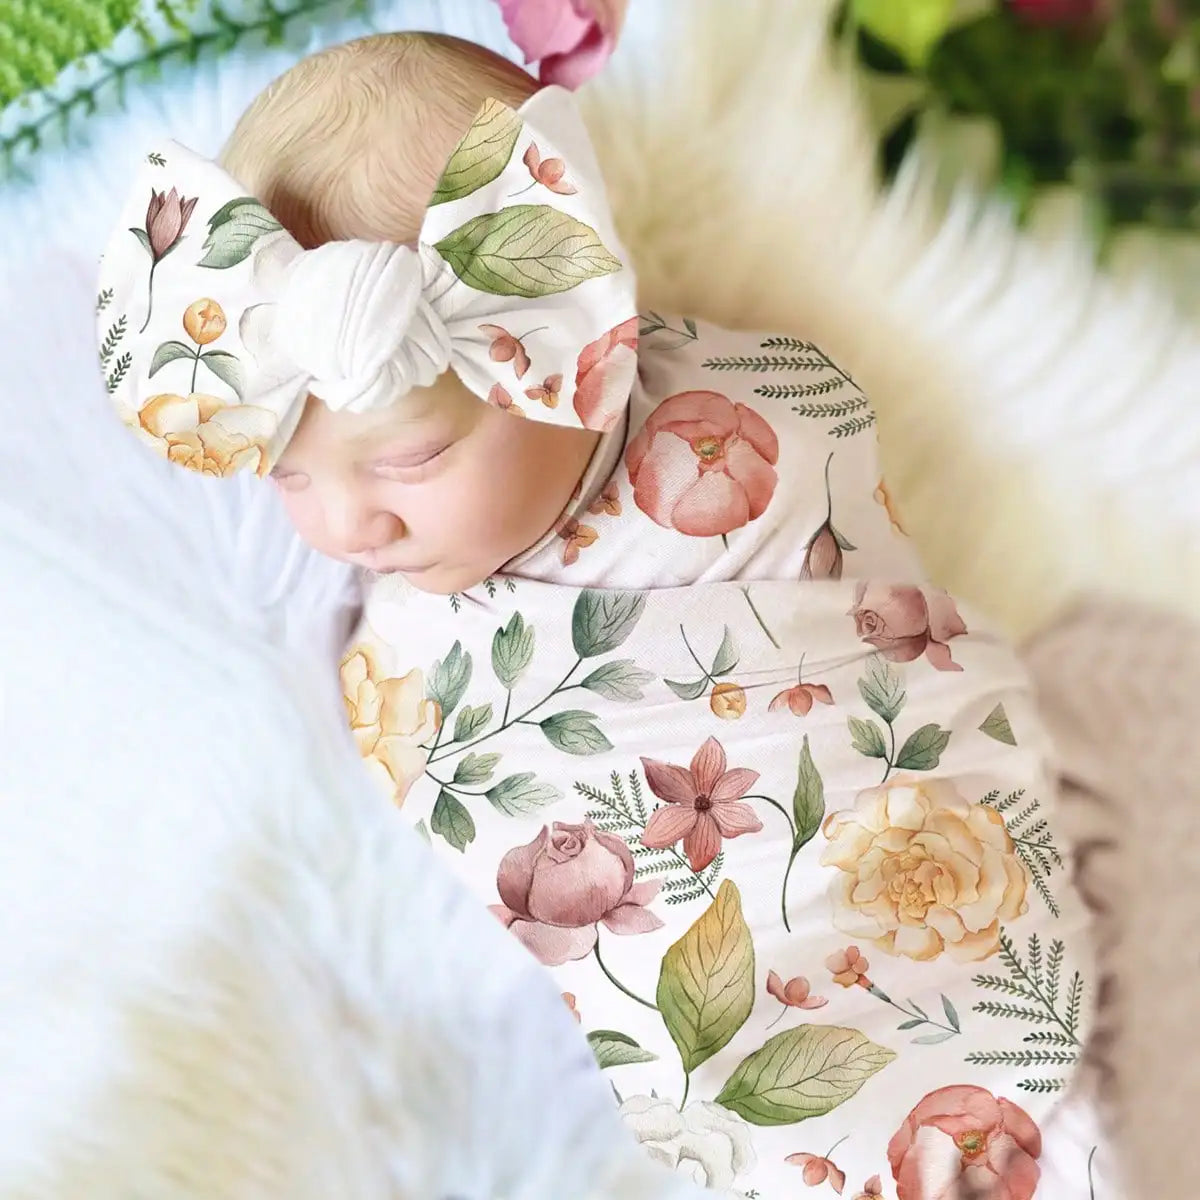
<point x="359" y="530"/>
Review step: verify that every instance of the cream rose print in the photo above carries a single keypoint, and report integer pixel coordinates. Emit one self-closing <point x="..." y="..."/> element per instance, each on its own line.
<point x="923" y="872"/>
<point x="391" y="718"/>
<point x="712" y="1142"/>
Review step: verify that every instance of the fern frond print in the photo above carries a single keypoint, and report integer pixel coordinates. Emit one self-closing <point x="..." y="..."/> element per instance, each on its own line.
<point x="1032" y="838"/>
<point x="1031" y="992"/>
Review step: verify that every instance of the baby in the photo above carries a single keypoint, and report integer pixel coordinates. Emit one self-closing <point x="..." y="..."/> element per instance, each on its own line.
<point x="646" y="653"/>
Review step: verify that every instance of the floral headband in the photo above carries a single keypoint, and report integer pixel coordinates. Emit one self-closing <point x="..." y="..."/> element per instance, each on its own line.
<point x="518" y="283"/>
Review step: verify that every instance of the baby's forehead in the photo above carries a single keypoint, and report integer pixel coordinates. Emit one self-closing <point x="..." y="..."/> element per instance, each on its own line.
<point x="324" y="433"/>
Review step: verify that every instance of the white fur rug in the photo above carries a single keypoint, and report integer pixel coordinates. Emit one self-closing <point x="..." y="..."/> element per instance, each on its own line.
<point x="1040" y="430"/>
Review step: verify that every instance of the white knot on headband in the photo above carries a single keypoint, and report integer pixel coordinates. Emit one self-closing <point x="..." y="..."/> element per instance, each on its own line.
<point x="353" y="318"/>
<point x="215" y="326"/>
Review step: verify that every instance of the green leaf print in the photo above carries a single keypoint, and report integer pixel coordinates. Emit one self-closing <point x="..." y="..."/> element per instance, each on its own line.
<point x="528" y="250"/>
<point x="867" y="738"/>
<point x="168" y="352"/>
<point x="602" y="621"/>
<point x="923" y="750"/>
<point x="472" y="721"/>
<point x="423" y="831"/>
<point x="996" y="726"/>
<point x="482" y="155"/>
<point x="687" y="691"/>
<point x="622" y="679"/>
<point x="802" y="1073"/>
<point x="706" y="987"/>
<point x="575" y="732"/>
<point x="232" y="231"/>
<point x="225" y="367"/>
<point x="476" y="768"/>
<point x="808" y="802"/>
<point x="451" y="820"/>
<point x="520" y="795"/>
<point x="512" y="650"/>
<point x="614" y="1049"/>
<point x="727" y="655"/>
<point x="882" y="688"/>
<point x="449" y="679"/>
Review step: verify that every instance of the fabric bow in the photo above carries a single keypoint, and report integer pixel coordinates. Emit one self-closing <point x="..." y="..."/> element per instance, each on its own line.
<point x="518" y="283"/>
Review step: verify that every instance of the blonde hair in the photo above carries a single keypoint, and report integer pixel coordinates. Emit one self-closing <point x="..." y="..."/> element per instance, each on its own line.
<point x="350" y="142"/>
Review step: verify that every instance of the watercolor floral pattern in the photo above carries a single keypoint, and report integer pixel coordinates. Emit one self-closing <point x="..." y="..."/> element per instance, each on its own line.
<point x="788" y="878"/>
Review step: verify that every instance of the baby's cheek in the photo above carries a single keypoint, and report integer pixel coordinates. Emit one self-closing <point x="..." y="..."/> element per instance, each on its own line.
<point x="304" y="515"/>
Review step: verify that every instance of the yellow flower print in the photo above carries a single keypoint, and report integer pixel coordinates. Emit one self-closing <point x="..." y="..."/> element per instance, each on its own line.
<point x="204" y="321"/>
<point x="390" y="718"/>
<point x="924" y="872"/>
<point x="207" y="434"/>
<point x="728" y="701"/>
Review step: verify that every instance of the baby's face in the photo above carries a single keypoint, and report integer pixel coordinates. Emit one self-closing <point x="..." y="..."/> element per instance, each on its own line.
<point x="440" y="486"/>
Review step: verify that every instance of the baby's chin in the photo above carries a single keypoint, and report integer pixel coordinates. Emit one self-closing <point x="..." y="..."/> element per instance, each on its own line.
<point x="442" y="581"/>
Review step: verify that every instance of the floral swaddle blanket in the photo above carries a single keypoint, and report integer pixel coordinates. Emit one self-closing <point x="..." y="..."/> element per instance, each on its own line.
<point x="773" y="809"/>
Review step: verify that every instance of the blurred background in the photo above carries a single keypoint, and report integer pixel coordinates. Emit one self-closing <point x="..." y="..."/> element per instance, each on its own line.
<point x="1077" y="110"/>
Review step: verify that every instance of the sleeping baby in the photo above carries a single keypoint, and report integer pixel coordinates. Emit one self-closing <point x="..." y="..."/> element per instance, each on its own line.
<point x="646" y="653"/>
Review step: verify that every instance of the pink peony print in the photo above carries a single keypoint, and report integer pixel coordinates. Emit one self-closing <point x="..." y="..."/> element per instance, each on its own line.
<point x="570" y="39"/>
<point x="903" y="622"/>
<point x="996" y="1145"/>
<point x="561" y="885"/>
<point x="604" y="377"/>
<point x="703" y="804"/>
<point x="703" y="465"/>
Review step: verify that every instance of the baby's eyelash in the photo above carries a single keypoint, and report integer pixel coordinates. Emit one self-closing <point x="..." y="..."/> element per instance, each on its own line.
<point x="409" y="464"/>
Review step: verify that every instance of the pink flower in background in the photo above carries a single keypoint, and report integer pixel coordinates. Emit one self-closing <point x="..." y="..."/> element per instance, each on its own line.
<point x="570" y="39"/>
<point x="703" y="804"/>
<point x="559" y="886"/>
<point x="703" y="465"/>
<point x="996" y="1142"/>
<point x="604" y="377"/>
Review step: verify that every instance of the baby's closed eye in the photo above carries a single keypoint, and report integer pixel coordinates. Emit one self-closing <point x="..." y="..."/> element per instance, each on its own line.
<point x="289" y="481"/>
<point x="410" y="465"/>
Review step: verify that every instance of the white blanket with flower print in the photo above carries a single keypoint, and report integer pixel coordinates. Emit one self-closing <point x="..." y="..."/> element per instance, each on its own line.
<point x="775" y="811"/>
